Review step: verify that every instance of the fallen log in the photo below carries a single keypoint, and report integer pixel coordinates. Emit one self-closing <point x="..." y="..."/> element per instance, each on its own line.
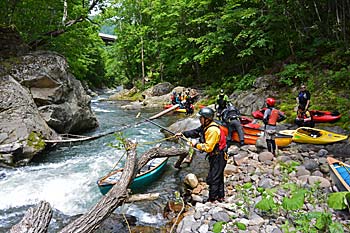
<point x="164" y="112"/>
<point x="91" y="220"/>
<point x="36" y="219"/>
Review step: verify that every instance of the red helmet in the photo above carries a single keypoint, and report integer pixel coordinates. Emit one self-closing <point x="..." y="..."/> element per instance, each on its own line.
<point x="270" y="102"/>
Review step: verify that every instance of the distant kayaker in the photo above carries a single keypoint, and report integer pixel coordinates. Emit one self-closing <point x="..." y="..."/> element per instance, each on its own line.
<point x="304" y="118"/>
<point x="271" y="117"/>
<point x="221" y="103"/>
<point x="303" y="98"/>
<point x="231" y="117"/>
<point x="213" y="143"/>
<point x="173" y="98"/>
<point x="188" y="103"/>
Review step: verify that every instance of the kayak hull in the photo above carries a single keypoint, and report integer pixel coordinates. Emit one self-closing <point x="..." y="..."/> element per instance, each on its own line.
<point x="314" y="136"/>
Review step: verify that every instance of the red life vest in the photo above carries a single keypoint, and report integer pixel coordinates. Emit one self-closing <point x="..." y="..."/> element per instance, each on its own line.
<point x="273" y="118"/>
<point x="222" y="141"/>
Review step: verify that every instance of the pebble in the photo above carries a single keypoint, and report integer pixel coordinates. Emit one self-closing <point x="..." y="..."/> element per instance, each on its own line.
<point x="264" y="172"/>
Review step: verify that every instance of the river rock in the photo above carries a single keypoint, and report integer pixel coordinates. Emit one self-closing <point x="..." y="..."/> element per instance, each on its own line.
<point x="191" y="180"/>
<point x="60" y="98"/>
<point x="38" y="98"/>
<point x="22" y="126"/>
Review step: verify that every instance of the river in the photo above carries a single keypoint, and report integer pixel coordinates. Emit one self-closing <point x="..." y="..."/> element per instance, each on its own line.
<point x="66" y="176"/>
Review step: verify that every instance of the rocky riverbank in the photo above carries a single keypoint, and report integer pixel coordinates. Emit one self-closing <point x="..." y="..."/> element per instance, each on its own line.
<point x="254" y="180"/>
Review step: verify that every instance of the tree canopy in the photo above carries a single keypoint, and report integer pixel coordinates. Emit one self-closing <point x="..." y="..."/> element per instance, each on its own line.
<point x="225" y="43"/>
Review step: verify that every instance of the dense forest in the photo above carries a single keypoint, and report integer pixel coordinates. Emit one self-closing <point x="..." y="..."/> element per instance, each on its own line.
<point x="216" y="43"/>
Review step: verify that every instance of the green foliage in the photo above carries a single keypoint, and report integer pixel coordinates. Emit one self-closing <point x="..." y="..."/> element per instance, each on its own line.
<point x="293" y="74"/>
<point x="339" y="200"/>
<point x="217" y="227"/>
<point x="266" y="204"/>
<point x="295" y="202"/>
<point x="36" y="141"/>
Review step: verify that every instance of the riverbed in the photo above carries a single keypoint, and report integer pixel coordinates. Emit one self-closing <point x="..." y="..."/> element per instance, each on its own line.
<point x="66" y="176"/>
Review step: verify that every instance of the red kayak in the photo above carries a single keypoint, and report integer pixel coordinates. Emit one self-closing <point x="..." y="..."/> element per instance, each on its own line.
<point x="317" y="116"/>
<point x="324" y="116"/>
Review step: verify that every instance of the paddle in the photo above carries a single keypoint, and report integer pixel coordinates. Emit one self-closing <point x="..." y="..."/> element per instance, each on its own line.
<point x="179" y="161"/>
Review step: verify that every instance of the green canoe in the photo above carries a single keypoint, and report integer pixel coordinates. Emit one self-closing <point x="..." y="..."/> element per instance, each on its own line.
<point x="148" y="174"/>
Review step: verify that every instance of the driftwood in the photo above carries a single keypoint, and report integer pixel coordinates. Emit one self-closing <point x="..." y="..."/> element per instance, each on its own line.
<point x="142" y="197"/>
<point x="164" y="112"/>
<point x="36" y="219"/>
<point x="91" y="221"/>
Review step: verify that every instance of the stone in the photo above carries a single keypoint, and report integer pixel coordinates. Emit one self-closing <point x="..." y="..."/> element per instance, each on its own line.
<point x="191" y="180"/>
<point x="324" y="183"/>
<point x="221" y="216"/>
<point x="301" y="171"/>
<point x="265" y="156"/>
<point x="255" y="219"/>
<point x="203" y="228"/>
<point x="310" y="164"/>
<point x="231" y="169"/>
<point x="265" y="183"/>
<point x="322" y="153"/>
<point x="317" y="173"/>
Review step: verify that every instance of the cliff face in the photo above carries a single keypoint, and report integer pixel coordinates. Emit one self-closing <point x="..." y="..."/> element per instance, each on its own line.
<point x="38" y="99"/>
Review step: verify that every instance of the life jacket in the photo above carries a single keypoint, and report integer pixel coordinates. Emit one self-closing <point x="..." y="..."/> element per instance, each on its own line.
<point x="273" y="118"/>
<point x="221" y="102"/>
<point x="221" y="146"/>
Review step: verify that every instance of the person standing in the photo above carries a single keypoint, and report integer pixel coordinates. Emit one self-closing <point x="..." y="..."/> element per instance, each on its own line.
<point x="221" y="103"/>
<point x="303" y="98"/>
<point x="211" y="142"/>
<point x="231" y="117"/>
<point x="271" y="117"/>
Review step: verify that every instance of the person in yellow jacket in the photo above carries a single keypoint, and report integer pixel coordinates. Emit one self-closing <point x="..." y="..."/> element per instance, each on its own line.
<point x="211" y="142"/>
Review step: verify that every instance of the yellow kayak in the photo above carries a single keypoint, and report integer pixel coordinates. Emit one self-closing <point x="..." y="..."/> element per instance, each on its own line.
<point x="283" y="140"/>
<point x="314" y="136"/>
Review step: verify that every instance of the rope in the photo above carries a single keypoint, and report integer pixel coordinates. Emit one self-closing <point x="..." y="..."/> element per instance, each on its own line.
<point x="178" y="215"/>
<point x="157" y="141"/>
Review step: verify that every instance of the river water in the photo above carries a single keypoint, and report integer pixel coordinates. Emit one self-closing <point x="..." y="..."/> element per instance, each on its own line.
<point x="66" y="176"/>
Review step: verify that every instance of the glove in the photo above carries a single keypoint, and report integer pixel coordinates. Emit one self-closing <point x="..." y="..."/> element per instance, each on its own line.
<point x="192" y="142"/>
<point x="178" y="135"/>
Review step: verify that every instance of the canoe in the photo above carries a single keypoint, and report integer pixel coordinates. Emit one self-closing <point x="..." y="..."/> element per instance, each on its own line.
<point x="314" y="136"/>
<point x="148" y="174"/>
<point x="324" y="116"/>
<point x="340" y="174"/>
<point x="259" y="114"/>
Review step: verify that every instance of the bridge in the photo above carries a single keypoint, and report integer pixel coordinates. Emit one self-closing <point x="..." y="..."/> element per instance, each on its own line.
<point x="108" y="39"/>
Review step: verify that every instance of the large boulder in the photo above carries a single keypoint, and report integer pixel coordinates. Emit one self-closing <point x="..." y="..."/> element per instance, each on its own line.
<point x="254" y="99"/>
<point x="22" y="128"/>
<point x="61" y="98"/>
<point x="38" y="97"/>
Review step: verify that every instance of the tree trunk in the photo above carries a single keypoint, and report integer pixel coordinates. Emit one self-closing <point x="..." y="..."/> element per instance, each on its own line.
<point x="37" y="219"/>
<point x="91" y="221"/>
